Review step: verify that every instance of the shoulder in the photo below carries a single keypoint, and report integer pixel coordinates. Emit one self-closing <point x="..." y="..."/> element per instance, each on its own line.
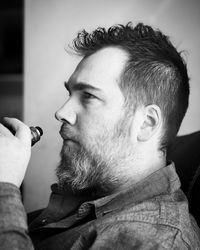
<point x="132" y="235"/>
<point x="160" y="223"/>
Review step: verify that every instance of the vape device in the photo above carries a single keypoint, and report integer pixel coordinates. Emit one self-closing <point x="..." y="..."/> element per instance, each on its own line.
<point x="36" y="133"/>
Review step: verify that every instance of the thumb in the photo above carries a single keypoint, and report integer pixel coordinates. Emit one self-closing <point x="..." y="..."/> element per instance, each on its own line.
<point x="21" y="131"/>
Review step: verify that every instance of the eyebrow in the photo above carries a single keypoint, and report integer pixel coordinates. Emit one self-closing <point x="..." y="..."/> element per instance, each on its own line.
<point x="80" y="86"/>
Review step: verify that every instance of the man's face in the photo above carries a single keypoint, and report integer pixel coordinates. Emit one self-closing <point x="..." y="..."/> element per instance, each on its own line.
<point x="95" y="128"/>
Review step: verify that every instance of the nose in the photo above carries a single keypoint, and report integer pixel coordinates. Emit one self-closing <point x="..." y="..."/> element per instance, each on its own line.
<point x="66" y="114"/>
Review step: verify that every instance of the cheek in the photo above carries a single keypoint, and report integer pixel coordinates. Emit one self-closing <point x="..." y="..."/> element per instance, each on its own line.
<point x="94" y="134"/>
<point x="87" y="127"/>
<point x="94" y="126"/>
<point x="92" y="130"/>
<point x="89" y="123"/>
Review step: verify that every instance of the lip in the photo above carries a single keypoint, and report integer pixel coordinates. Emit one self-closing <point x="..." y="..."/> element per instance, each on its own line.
<point x="68" y="141"/>
<point x="65" y="137"/>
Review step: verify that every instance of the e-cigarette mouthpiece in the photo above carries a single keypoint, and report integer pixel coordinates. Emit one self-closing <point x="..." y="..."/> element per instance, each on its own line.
<point x="36" y="133"/>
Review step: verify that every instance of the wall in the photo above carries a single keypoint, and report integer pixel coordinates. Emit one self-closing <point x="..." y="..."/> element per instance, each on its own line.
<point x="49" y="26"/>
<point x="11" y="66"/>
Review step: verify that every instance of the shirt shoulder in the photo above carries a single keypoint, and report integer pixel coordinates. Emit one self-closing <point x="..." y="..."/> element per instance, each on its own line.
<point x="162" y="222"/>
<point x="135" y="235"/>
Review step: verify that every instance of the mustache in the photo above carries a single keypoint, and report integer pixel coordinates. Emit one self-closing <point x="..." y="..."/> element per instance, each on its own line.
<point x="67" y="133"/>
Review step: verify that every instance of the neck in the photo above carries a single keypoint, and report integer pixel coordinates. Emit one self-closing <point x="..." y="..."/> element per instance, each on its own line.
<point x="146" y="160"/>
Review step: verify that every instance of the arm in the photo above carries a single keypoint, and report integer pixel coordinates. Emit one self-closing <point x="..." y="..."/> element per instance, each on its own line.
<point x="14" y="157"/>
<point x="13" y="225"/>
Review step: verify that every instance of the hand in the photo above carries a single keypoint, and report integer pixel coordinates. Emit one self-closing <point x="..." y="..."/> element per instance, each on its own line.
<point x="15" y="151"/>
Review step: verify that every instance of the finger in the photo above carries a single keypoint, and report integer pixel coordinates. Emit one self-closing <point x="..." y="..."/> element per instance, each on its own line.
<point x="4" y="130"/>
<point x="21" y="130"/>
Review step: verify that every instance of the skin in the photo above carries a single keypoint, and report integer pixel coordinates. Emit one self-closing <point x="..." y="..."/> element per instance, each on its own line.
<point x="94" y="107"/>
<point x="91" y="116"/>
<point x="84" y="112"/>
<point x="15" y="151"/>
<point x="86" y="115"/>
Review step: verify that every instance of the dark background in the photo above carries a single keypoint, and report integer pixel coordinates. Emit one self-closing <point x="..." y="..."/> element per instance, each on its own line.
<point x="11" y="58"/>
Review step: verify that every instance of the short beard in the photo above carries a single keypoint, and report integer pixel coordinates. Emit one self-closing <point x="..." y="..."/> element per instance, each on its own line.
<point x="83" y="172"/>
<point x="99" y="168"/>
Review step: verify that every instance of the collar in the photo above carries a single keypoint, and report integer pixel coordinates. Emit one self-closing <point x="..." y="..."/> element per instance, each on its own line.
<point x="163" y="181"/>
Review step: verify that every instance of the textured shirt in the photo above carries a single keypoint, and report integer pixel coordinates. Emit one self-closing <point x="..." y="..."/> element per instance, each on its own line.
<point x="152" y="214"/>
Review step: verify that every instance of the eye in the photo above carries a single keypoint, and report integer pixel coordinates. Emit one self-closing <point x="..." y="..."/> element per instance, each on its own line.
<point x="87" y="95"/>
<point x="87" y="98"/>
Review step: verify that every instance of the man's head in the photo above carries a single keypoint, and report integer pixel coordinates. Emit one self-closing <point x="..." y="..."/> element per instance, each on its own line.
<point x="130" y="91"/>
<point x="95" y="126"/>
<point x="155" y="72"/>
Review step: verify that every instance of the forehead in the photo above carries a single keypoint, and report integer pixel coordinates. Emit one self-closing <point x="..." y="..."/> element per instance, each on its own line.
<point x="101" y="69"/>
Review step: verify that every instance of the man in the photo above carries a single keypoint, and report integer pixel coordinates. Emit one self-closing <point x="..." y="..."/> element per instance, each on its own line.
<point x="125" y="103"/>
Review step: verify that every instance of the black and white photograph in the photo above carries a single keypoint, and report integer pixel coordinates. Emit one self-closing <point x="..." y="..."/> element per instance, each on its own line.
<point x="99" y="124"/>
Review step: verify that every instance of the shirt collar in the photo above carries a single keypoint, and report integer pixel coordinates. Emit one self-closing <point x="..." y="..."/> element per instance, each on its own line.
<point x="163" y="181"/>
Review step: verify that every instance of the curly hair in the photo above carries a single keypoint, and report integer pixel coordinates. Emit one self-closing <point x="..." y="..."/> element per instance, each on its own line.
<point x="155" y="72"/>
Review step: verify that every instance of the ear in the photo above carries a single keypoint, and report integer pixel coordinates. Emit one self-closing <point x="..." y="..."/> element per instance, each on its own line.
<point x="151" y="122"/>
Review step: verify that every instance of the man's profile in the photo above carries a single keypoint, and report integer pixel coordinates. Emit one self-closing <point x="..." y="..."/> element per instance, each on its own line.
<point x="124" y="105"/>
